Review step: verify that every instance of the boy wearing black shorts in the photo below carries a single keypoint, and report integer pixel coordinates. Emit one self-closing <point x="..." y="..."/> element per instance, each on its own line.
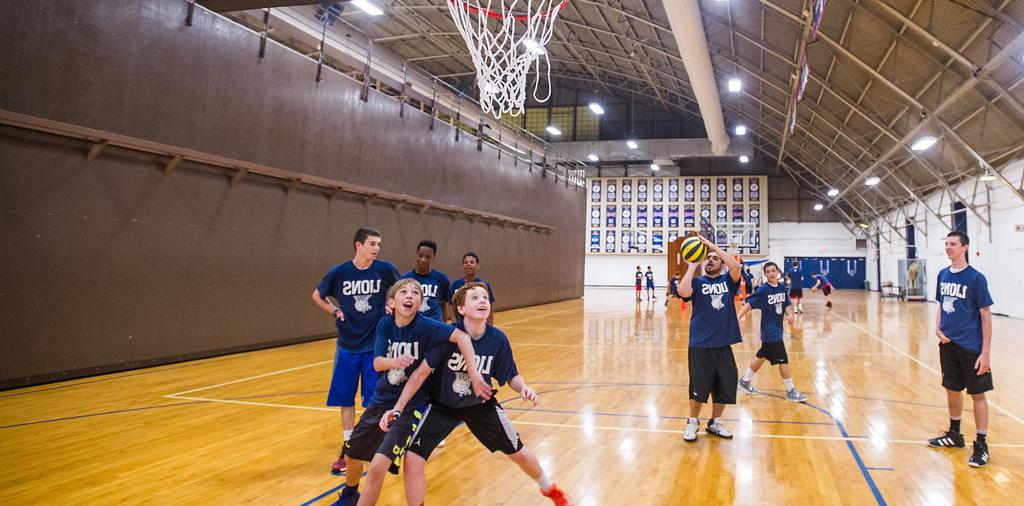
<point x="713" y="330"/>
<point x="401" y="342"/>
<point x="452" y="403"/>
<point x="796" y="287"/>
<point x="773" y="301"/>
<point x="965" y="343"/>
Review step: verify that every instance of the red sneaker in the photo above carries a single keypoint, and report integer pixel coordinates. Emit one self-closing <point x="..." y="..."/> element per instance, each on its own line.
<point x="557" y="496"/>
<point x="338" y="467"/>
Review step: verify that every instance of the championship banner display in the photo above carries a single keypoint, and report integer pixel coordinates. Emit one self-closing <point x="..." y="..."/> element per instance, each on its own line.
<point x="641" y="215"/>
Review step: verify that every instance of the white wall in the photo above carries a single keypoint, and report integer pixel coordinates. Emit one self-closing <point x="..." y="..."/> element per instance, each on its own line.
<point x="784" y="239"/>
<point x="997" y="250"/>
<point x="618" y="270"/>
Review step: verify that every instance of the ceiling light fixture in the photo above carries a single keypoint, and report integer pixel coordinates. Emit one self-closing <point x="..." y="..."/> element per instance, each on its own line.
<point x="987" y="175"/>
<point x="872" y="181"/>
<point x="833" y="192"/>
<point x="924" y="143"/>
<point x="744" y="159"/>
<point x="368" y="7"/>
<point x="818" y="207"/>
<point x="655" y="166"/>
<point x="592" y="157"/>
<point x="553" y="130"/>
<point x="863" y="225"/>
<point x="631" y="144"/>
<point x="741" y="130"/>
<point x="596" y="108"/>
<point x="735" y="85"/>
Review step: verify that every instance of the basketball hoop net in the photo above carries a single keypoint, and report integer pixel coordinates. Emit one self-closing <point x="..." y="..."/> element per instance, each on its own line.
<point x="505" y="43"/>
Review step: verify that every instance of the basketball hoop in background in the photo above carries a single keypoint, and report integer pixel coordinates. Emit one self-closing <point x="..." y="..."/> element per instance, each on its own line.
<point x="506" y="38"/>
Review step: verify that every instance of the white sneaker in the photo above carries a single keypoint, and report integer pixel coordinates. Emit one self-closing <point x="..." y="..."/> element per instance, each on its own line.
<point x="747" y="387"/>
<point x="719" y="430"/>
<point x="795" y="396"/>
<point x="692" y="425"/>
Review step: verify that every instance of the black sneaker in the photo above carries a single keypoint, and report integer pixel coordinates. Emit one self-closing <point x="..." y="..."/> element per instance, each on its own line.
<point x="949" y="439"/>
<point x="980" y="456"/>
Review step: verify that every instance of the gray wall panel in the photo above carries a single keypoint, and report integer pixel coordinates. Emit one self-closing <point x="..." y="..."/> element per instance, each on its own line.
<point x="109" y="262"/>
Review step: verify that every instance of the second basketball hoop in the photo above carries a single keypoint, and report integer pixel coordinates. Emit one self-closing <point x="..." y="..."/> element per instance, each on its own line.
<point x="506" y="38"/>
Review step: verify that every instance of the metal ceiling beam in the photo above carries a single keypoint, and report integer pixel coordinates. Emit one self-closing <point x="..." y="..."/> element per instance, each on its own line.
<point x="1011" y="50"/>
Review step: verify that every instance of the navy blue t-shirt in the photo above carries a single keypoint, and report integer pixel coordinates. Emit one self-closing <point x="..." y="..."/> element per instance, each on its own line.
<point x="673" y="286"/>
<point x="962" y="294"/>
<point x="451" y="385"/>
<point x="796" y="279"/>
<point x="435" y="291"/>
<point x="824" y="280"/>
<point x="458" y="284"/>
<point x="772" y="301"/>
<point x="639" y="278"/>
<point x="416" y="339"/>
<point x="360" y="295"/>
<point x="713" y="323"/>
<point x="650" y="279"/>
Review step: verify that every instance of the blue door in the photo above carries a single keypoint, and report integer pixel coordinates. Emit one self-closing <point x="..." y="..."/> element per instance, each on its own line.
<point x="842" y="272"/>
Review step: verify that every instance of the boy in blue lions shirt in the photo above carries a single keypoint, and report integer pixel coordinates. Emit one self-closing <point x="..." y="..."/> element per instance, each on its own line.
<point x="402" y="341"/>
<point x="470" y="266"/>
<point x="358" y="287"/>
<point x="773" y="301"/>
<point x="965" y="342"/>
<point x="452" y="402"/>
<point x="435" y="283"/>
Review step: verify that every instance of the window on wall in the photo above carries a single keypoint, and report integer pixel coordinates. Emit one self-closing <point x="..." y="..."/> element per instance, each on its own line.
<point x="959" y="217"/>
<point x="535" y="121"/>
<point x="911" y="241"/>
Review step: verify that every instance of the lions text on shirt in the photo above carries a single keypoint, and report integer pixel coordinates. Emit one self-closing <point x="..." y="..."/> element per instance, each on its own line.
<point x="418" y="338"/>
<point x="458" y="284"/>
<point x="713" y="323"/>
<point x="639" y="278"/>
<point x="961" y="295"/>
<point x="435" y="291"/>
<point x="451" y="384"/>
<point x="772" y="301"/>
<point x="650" y="278"/>
<point x="360" y="294"/>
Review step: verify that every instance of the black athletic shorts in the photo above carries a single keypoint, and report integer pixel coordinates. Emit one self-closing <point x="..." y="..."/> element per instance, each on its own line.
<point x="958" y="370"/>
<point x="826" y="290"/>
<point x="367" y="438"/>
<point x="713" y="372"/>
<point x="774" y="353"/>
<point x="796" y="293"/>
<point x="488" y="422"/>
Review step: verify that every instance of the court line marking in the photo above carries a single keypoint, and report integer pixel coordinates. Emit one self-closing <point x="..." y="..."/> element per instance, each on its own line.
<point x="922" y="364"/>
<point x="258" y="376"/>
<point x="659" y="348"/>
<point x="513" y="322"/>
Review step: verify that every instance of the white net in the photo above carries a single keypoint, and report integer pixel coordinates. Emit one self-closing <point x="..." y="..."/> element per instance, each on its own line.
<point x="506" y="38"/>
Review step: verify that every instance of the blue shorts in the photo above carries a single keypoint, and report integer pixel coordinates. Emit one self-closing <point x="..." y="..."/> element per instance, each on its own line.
<point x="650" y="286"/>
<point x="348" y="368"/>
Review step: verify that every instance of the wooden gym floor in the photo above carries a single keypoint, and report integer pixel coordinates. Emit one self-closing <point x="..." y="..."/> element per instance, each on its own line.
<point x="252" y="429"/>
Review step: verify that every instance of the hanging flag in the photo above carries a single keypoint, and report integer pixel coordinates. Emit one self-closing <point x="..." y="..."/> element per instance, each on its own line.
<point x="817" y="12"/>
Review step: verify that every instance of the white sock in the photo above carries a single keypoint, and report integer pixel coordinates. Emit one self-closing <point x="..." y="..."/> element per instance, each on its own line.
<point x="348" y="435"/>
<point x="789" y="384"/>
<point x="749" y="375"/>
<point x="544" y="482"/>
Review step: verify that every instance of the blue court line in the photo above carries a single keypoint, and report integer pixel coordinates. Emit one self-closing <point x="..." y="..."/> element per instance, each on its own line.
<point x="329" y="492"/>
<point x="90" y="415"/>
<point x="631" y="415"/>
<point x="882" y="468"/>
<point x="864" y="470"/>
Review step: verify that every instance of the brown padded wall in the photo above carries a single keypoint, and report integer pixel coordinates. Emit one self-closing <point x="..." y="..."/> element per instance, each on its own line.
<point x="110" y="262"/>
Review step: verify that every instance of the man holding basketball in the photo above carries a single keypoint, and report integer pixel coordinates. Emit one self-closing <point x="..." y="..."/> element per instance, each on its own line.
<point x="713" y="330"/>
